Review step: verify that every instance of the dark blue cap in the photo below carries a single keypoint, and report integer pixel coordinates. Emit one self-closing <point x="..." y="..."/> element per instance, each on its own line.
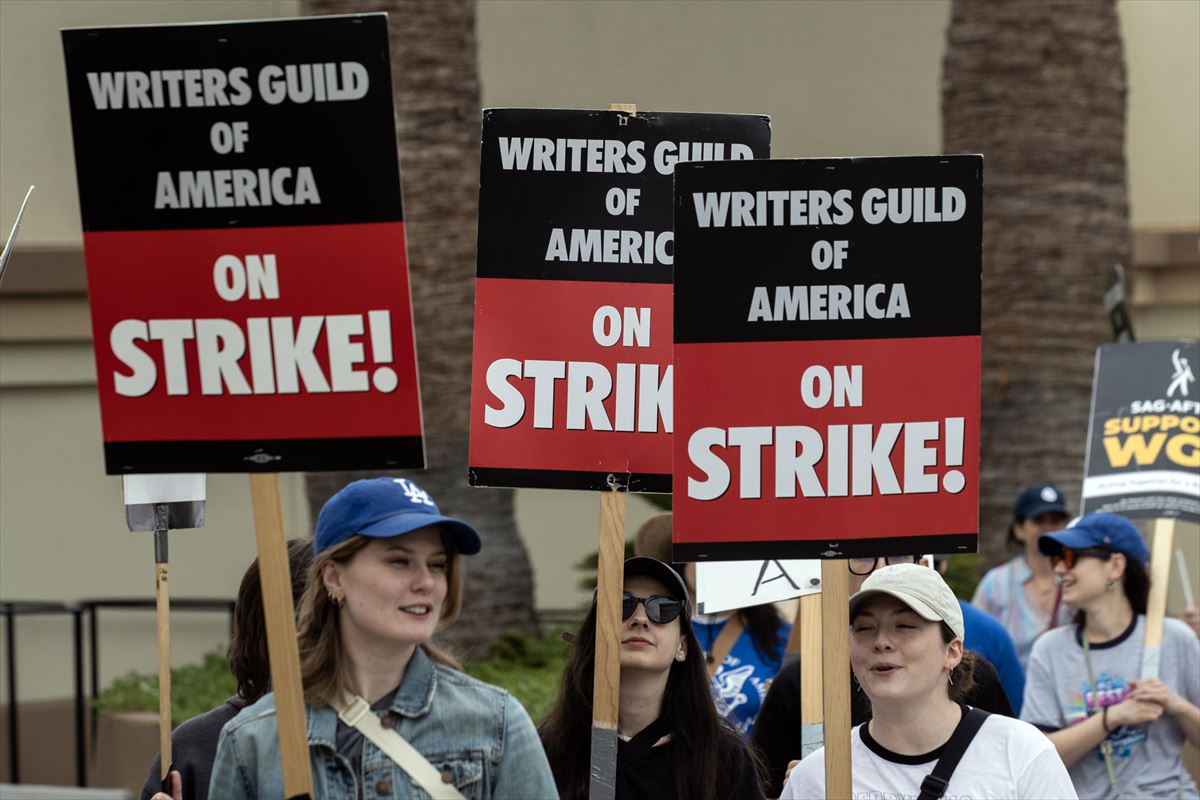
<point x="386" y="507"/>
<point x="1109" y="531"/>
<point x="1041" y="498"/>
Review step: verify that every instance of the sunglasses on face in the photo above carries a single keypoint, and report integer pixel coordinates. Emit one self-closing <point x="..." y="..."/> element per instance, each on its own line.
<point x="660" y="609"/>
<point x="1070" y="555"/>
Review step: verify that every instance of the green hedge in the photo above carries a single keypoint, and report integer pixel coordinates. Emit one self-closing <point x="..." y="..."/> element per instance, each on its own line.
<point x="526" y="666"/>
<point x="195" y="688"/>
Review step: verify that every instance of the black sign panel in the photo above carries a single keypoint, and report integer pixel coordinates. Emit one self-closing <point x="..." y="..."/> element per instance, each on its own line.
<point x="1143" y="458"/>
<point x="547" y="169"/>
<point x="920" y="218"/>
<point x="259" y="124"/>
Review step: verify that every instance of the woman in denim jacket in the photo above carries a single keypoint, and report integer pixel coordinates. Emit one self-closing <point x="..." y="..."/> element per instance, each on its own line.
<point x="387" y="576"/>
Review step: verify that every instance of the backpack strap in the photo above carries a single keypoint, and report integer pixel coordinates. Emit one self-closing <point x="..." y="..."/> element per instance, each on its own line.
<point x="935" y="783"/>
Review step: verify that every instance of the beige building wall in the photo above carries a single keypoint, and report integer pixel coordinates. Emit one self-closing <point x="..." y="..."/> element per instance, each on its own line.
<point x="62" y="525"/>
<point x="838" y="78"/>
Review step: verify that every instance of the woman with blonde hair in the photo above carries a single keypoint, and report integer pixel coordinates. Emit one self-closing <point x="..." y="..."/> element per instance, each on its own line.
<point x="388" y="713"/>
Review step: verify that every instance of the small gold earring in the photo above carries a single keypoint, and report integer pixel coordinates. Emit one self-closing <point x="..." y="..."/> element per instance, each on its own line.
<point x="336" y="599"/>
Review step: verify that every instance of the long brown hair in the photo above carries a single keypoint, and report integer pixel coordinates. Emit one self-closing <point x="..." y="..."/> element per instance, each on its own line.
<point x="247" y="654"/>
<point x="319" y="626"/>
<point x="707" y="751"/>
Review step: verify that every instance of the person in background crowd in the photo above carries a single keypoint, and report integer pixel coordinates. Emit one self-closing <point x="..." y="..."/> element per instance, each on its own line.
<point x="194" y="742"/>
<point x="987" y="637"/>
<point x="1119" y="734"/>
<point x="743" y="648"/>
<point x="671" y="743"/>
<point x="1023" y="593"/>
<point x="777" y="734"/>
<point x="906" y="649"/>
<point x="387" y="576"/>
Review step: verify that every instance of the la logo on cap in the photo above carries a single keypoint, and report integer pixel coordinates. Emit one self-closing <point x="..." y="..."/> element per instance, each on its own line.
<point x="1049" y="495"/>
<point x="414" y="493"/>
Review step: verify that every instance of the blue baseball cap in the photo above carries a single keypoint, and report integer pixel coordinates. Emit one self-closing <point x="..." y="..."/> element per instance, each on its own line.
<point x="1041" y="498"/>
<point x="386" y="507"/>
<point x="1109" y="531"/>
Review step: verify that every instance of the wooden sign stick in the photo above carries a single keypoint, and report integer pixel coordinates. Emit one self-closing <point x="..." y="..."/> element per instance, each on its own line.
<point x="606" y="681"/>
<point x="162" y="606"/>
<point x="282" y="647"/>
<point x="606" y="685"/>
<point x="835" y="655"/>
<point x="1156" y="604"/>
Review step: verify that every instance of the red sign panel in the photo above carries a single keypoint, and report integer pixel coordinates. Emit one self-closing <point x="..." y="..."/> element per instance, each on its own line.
<point x="827" y="359"/>
<point x="249" y="286"/>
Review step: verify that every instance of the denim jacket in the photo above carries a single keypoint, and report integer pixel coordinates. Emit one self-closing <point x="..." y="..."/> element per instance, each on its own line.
<point x="474" y="732"/>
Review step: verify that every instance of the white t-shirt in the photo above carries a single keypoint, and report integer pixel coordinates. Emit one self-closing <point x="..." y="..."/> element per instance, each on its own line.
<point x="1006" y="759"/>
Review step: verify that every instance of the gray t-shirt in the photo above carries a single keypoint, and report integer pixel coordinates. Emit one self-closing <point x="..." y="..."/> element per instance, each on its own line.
<point x="349" y="740"/>
<point x="1146" y="758"/>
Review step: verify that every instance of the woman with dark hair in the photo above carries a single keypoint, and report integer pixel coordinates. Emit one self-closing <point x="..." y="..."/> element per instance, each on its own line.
<point x="1022" y="593"/>
<point x="194" y="742"/>
<point x="906" y="649"/>
<point x="743" y="648"/>
<point x="388" y="713"/>
<point x="1120" y="734"/>
<point x="671" y="742"/>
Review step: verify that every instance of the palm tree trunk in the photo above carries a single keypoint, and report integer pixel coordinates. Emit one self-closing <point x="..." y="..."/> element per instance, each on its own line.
<point x="1039" y="88"/>
<point x="435" y="82"/>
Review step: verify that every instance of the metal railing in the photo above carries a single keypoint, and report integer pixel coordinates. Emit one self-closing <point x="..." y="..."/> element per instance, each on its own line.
<point x="91" y="607"/>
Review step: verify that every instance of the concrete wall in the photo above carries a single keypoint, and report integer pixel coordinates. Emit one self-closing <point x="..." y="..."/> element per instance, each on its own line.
<point x="62" y="529"/>
<point x="838" y="78"/>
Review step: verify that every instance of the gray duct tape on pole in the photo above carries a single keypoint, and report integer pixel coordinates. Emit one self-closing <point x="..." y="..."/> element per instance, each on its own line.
<point x="812" y="738"/>
<point x="604" y="764"/>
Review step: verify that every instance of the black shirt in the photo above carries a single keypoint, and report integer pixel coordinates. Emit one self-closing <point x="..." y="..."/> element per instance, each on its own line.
<point x="777" y="731"/>
<point x="646" y="772"/>
<point x="193" y="748"/>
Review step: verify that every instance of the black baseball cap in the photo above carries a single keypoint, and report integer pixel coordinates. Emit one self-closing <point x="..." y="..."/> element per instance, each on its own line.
<point x="1041" y="498"/>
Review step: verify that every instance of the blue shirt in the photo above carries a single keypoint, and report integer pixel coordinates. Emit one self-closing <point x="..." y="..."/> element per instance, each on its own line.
<point x="986" y="636"/>
<point x="741" y="682"/>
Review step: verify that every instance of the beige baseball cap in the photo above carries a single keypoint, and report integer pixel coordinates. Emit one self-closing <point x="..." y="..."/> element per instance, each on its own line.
<point x="920" y="588"/>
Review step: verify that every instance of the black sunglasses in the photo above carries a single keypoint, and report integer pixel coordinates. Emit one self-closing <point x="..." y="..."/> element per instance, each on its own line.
<point x="1070" y="555"/>
<point x="660" y="609"/>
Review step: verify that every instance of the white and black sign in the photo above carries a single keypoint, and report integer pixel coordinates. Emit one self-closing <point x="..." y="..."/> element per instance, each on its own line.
<point x="1143" y="456"/>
